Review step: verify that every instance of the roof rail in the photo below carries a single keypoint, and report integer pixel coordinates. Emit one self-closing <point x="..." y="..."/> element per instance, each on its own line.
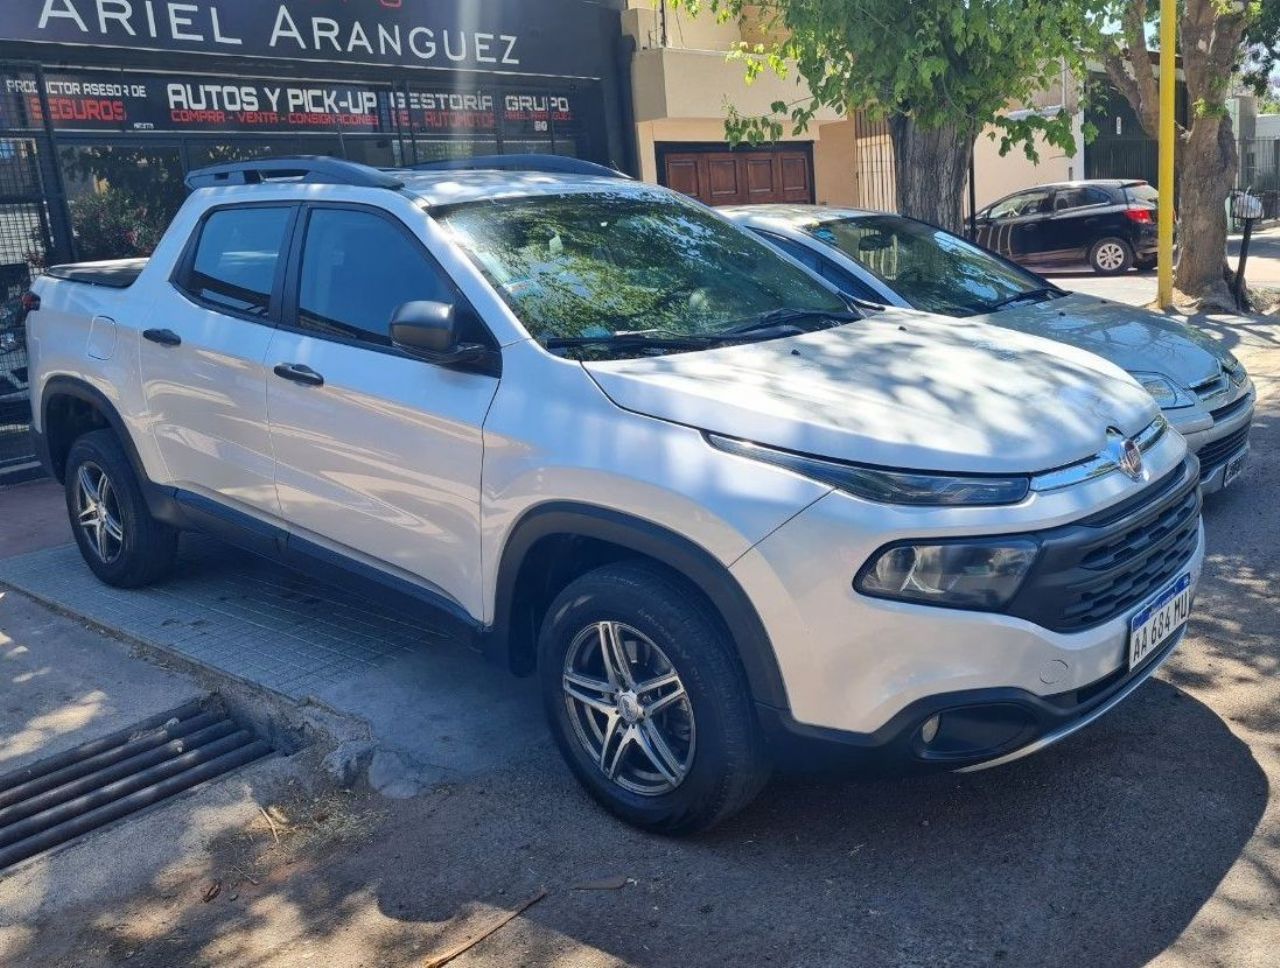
<point x="308" y="169"/>
<point x="552" y="164"/>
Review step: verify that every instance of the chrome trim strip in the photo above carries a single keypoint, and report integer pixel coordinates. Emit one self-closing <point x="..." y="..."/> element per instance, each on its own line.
<point x="1088" y="719"/>
<point x="1099" y="465"/>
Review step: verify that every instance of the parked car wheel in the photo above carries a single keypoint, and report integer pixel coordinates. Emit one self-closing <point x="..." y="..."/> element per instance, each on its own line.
<point x="647" y="700"/>
<point x="1111" y="256"/>
<point x="119" y="539"/>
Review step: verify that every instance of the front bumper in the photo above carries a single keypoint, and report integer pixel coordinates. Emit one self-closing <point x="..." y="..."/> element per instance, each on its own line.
<point x="863" y="675"/>
<point x="978" y="729"/>
<point x="1216" y="437"/>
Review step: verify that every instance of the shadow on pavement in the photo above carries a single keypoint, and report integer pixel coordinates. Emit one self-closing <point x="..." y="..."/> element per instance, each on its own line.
<point x="1099" y="852"/>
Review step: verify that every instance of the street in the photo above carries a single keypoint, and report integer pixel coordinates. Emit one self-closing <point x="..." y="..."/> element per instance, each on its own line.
<point x="1139" y="288"/>
<point x="1152" y="837"/>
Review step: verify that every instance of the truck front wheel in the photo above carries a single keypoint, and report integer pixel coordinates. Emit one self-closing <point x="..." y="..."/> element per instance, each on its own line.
<point x="119" y="539"/>
<point x="647" y="701"/>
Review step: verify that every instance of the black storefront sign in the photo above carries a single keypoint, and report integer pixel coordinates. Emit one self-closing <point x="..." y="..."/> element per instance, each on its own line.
<point x="91" y="101"/>
<point x="550" y="37"/>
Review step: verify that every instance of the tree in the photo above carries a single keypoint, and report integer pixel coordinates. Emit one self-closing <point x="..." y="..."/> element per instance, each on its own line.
<point x="1215" y="43"/>
<point x="939" y="72"/>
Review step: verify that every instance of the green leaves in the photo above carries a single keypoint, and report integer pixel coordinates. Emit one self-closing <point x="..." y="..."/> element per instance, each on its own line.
<point x="939" y="62"/>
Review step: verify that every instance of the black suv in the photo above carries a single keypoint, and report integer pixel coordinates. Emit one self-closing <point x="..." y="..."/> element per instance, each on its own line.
<point x="1108" y="225"/>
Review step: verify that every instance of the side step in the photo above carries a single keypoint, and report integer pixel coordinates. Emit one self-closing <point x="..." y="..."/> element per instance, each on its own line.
<point x="60" y="798"/>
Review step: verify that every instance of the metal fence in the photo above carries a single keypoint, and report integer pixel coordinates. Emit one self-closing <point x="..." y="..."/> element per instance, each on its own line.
<point x="24" y="251"/>
<point x="1259" y="168"/>
<point x="876" y="184"/>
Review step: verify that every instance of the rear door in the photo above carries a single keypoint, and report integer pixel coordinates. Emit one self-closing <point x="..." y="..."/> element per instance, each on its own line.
<point x="1079" y="217"/>
<point x="202" y="356"/>
<point x="378" y="453"/>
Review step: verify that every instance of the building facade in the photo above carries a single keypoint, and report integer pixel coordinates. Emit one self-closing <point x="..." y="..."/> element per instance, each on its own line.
<point x="105" y="105"/>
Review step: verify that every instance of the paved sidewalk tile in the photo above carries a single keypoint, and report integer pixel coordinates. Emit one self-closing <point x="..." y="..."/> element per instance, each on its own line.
<point x="235" y="612"/>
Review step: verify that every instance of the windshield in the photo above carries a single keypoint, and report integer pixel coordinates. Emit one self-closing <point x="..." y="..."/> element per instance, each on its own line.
<point x="597" y="265"/>
<point x="933" y="270"/>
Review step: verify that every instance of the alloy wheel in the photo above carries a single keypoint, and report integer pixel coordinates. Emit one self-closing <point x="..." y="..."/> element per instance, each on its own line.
<point x="98" y="512"/>
<point x="1109" y="257"/>
<point x="629" y="709"/>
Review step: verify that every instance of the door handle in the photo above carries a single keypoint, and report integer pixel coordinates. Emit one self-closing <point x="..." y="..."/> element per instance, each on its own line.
<point x="299" y="373"/>
<point x="165" y="337"/>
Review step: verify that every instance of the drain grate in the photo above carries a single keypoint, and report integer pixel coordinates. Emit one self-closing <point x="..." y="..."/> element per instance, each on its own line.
<point x="65" y="796"/>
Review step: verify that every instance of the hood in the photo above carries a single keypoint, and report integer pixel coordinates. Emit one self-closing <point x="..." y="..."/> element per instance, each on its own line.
<point x="900" y="389"/>
<point x="1129" y="337"/>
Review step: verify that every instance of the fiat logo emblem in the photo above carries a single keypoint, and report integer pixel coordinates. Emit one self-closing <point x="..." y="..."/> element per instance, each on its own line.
<point x="1131" y="459"/>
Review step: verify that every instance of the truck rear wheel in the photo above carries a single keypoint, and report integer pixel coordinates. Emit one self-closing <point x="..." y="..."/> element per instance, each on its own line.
<point x="647" y="700"/>
<point x="119" y="539"/>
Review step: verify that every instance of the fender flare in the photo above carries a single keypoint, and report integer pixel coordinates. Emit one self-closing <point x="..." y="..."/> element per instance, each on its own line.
<point x="159" y="499"/>
<point x="687" y="558"/>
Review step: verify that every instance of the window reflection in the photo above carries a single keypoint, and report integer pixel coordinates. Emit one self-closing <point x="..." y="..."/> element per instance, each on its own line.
<point x="593" y="264"/>
<point x="932" y="269"/>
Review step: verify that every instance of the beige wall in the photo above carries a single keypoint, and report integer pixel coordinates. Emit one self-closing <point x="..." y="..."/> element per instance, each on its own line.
<point x="995" y="177"/>
<point x="684" y="92"/>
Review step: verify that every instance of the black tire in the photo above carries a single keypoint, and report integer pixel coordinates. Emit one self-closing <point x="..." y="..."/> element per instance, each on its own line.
<point x="728" y="764"/>
<point x="144" y="553"/>
<point x="1110" y="256"/>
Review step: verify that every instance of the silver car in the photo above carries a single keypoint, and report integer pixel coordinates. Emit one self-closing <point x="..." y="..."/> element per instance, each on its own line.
<point x="1202" y="388"/>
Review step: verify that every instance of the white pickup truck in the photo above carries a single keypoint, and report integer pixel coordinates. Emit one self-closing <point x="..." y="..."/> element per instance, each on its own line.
<point x="720" y="510"/>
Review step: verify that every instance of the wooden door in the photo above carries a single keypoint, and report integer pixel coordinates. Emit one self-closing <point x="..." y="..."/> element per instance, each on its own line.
<point x="744" y="177"/>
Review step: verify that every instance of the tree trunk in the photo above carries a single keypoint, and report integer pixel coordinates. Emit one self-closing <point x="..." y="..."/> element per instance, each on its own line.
<point x="1209" y="161"/>
<point x="931" y="169"/>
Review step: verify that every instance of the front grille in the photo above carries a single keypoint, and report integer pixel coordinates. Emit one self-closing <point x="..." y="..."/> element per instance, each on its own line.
<point x="1231" y="409"/>
<point x="1094" y="571"/>
<point x="1217" y="452"/>
<point x="1213" y="387"/>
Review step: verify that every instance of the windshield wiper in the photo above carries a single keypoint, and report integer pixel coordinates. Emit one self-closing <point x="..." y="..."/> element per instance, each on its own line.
<point x="655" y="338"/>
<point x="1036" y="294"/>
<point x="789" y="318"/>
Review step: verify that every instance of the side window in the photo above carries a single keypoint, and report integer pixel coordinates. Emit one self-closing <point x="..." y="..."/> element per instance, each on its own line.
<point x="1028" y="203"/>
<point x="1067" y="198"/>
<point x="357" y="269"/>
<point x="1006" y="209"/>
<point x="1070" y="198"/>
<point x="794" y="249"/>
<point x="848" y="283"/>
<point x="234" y="265"/>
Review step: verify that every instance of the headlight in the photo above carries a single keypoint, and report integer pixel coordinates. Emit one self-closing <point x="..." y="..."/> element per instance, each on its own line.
<point x="884" y="486"/>
<point x="1167" y="394"/>
<point x="1235" y="369"/>
<point x="982" y="575"/>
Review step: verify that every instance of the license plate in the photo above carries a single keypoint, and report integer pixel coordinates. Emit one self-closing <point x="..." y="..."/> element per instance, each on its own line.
<point x="1235" y="467"/>
<point x="1160" y="618"/>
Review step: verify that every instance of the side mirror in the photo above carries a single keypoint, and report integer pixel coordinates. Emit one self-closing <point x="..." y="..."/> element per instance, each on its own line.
<point x="429" y="330"/>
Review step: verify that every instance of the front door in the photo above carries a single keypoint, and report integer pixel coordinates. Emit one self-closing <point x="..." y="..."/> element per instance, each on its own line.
<point x="378" y="454"/>
<point x="202" y="355"/>
<point x="1014" y="227"/>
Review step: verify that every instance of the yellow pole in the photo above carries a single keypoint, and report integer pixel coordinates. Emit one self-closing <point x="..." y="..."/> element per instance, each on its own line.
<point x="1168" y="136"/>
